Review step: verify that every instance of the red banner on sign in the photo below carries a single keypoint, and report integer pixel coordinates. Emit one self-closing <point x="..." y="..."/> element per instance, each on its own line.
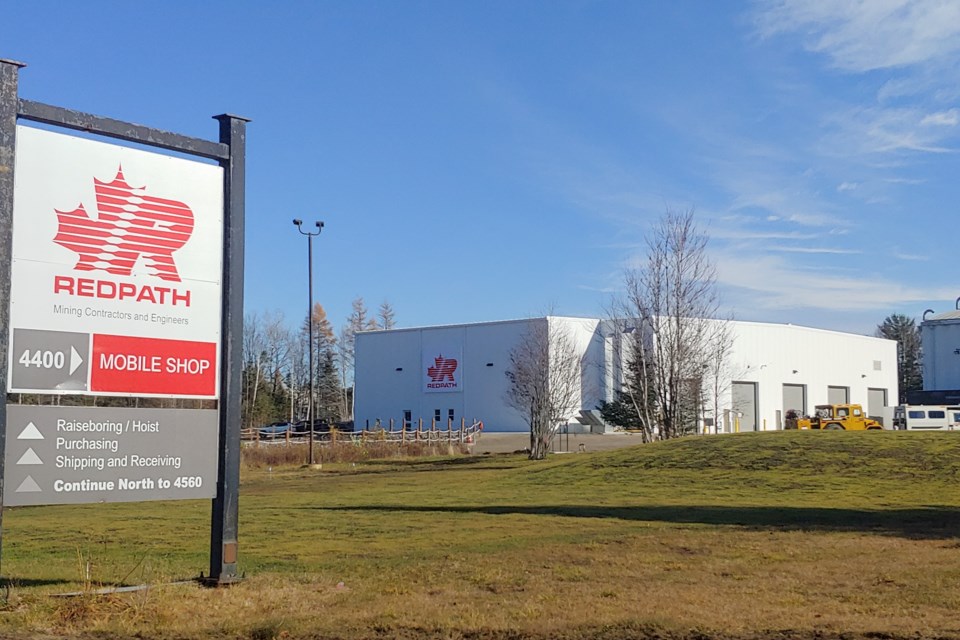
<point x="123" y="364"/>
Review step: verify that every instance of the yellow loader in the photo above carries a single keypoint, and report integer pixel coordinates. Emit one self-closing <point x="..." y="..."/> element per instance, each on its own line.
<point x="835" y="417"/>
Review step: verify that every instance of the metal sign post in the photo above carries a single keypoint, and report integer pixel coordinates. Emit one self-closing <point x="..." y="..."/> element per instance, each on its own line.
<point x="223" y="527"/>
<point x="125" y="294"/>
<point x="9" y="71"/>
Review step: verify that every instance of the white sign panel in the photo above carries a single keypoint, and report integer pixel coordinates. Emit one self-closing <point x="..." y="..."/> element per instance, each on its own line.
<point x="442" y="370"/>
<point x="117" y="263"/>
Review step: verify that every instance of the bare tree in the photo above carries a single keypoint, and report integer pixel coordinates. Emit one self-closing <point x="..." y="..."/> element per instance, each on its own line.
<point x="345" y="353"/>
<point x="298" y="378"/>
<point x="254" y="347"/>
<point x="672" y="303"/>
<point x="278" y="341"/>
<point x="717" y="373"/>
<point x="358" y="321"/>
<point x="633" y="405"/>
<point x="544" y="376"/>
<point x="266" y="355"/>
<point x="386" y="315"/>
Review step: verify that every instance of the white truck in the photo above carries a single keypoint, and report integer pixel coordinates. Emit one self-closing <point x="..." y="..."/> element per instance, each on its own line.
<point x="927" y="417"/>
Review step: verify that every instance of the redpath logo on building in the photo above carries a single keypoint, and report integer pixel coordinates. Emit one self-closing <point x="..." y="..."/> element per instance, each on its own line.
<point x="441" y="373"/>
<point x="130" y="226"/>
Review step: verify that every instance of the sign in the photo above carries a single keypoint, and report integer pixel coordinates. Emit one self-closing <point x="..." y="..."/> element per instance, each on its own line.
<point x="123" y="267"/>
<point x="117" y="265"/>
<point x="77" y="455"/>
<point x="442" y="370"/>
<point x="50" y="360"/>
<point x="123" y="365"/>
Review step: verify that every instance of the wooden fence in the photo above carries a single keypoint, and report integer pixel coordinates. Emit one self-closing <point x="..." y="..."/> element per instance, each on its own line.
<point x="464" y="434"/>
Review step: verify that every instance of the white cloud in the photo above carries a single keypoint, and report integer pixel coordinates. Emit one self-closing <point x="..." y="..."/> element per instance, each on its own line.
<point x="911" y="257"/>
<point x="863" y="35"/>
<point x="783" y="205"/>
<point x="610" y="290"/>
<point x="822" y="250"/>
<point x="943" y="118"/>
<point x="773" y="283"/>
<point x="838" y="232"/>
<point x="740" y="234"/>
<point x="916" y="41"/>
<point x="911" y="181"/>
<point x="847" y="186"/>
<point x="904" y="87"/>
<point x="871" y="130"/>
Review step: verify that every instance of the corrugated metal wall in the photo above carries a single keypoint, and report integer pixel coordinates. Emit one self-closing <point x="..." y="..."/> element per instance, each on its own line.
<point x="941" y="355"/>
<point x="776" y="364"/>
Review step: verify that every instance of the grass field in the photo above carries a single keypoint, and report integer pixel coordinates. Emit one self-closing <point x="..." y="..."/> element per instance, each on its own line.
<point x="785" y="535"/>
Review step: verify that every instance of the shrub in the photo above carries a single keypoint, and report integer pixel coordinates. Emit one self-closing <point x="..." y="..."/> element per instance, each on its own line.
<point x="261" y="455"/>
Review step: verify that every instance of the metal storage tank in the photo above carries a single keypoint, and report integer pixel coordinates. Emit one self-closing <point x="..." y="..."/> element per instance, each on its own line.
<point x="940" y="337"/>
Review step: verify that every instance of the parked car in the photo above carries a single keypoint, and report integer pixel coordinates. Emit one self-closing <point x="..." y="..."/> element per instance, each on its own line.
<point x="319" y="426"/>
<point x="275" y="430"/>
<point x="322" y="426"/>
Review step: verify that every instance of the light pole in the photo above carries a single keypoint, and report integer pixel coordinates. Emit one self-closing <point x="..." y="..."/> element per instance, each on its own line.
<point x="310" y="234"/>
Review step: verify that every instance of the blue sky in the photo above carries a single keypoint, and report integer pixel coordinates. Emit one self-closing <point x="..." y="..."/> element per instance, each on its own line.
<point x="479" y="161"/>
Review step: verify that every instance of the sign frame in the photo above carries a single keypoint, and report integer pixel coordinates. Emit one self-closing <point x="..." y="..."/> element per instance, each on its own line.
<point x="229" y="152"/>
<point x="124" y="245"/>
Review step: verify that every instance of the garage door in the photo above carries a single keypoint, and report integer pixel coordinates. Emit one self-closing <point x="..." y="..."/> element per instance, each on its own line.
<point x="795" y="397"/>
<point x="745" y="403"/>
<point x="838" y="395"/>
<point x="876" y="401"/>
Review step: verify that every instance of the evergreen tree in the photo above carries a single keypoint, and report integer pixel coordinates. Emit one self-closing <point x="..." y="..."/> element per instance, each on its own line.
<point x="909" y="351"/>
<point x="326" y="377"/>
<point x="328" y="390"/>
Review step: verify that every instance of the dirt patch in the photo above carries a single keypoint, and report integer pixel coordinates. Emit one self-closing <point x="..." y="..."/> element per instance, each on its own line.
<point x="629" y="632"/>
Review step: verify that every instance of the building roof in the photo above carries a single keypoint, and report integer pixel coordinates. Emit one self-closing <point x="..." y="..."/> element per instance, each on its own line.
<point x="770" y="325"/>
<point x="802" y="327"/>
<point x="946" y="316"/>
<point x="479" y="324"/>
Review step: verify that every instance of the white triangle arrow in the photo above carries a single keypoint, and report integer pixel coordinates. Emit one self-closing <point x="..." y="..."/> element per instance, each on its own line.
<point x="28" y="485"/>
<point x="75" y="360"/>
<point x="30" y="432"/>
<point x="30" y="457"/>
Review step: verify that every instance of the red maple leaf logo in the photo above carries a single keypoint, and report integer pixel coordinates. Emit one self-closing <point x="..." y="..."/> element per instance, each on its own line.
<point x="129" y="225"/>
<point x="442" y="370"/>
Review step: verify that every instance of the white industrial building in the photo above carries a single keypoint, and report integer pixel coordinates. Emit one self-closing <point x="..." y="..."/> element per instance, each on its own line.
<point x="447" y="373"/>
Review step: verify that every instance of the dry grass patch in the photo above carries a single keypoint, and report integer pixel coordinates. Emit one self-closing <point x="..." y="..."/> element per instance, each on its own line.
<point x="753" y="542"/>
<point x="279" y="454"/>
